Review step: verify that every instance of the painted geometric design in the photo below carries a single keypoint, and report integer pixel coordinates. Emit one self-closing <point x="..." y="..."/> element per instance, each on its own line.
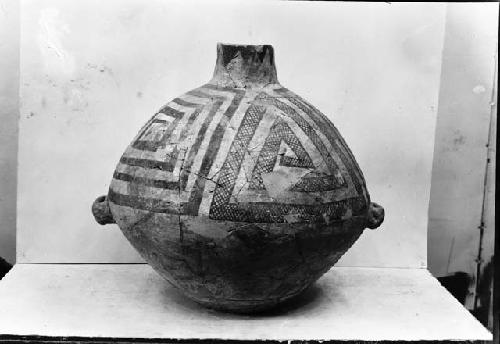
<point x="234" y="155"/>
<point x="279" y="145"/>
<point x="332" y="134"/>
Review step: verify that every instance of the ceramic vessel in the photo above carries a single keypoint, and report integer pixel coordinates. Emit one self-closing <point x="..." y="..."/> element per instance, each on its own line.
<point x="239" y="193"/>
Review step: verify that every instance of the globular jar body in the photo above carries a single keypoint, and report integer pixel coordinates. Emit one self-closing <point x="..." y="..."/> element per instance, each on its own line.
<point x="239" y="193"/>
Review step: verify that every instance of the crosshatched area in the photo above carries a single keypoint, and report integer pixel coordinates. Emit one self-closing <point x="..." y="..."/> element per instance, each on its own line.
<point x="207" y="154"/>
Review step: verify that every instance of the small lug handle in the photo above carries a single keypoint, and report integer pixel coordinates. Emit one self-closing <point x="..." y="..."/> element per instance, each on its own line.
<point x="375" y="215"/>
<point x="101" y="211"/>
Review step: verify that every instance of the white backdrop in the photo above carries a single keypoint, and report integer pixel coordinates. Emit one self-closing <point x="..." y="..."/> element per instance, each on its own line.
<point x="93" y="72"/>
<point x="465" y="110"/>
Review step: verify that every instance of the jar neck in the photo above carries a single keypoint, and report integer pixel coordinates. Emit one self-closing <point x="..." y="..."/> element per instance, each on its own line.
<point x="244" y="66"/>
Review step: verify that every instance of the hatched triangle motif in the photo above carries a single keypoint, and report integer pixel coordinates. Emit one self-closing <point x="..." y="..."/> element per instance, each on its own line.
<point x="281" y="148"/>
<point x="292" y="174"/>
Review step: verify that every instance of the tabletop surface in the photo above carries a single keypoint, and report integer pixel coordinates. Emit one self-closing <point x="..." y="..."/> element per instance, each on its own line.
<point x="132" y="301"/>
